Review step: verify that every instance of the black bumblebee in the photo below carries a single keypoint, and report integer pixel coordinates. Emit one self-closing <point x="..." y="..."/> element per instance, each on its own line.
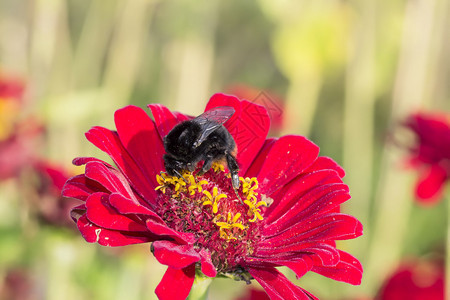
<point x="203" y="138"/>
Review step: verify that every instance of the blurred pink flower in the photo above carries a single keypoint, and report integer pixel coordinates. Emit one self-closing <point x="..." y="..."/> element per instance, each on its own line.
<point x="415" y="280"/>
<point x="50" y="207"/>
<point x="17" y="138"/>
<point x="430" y="155"/>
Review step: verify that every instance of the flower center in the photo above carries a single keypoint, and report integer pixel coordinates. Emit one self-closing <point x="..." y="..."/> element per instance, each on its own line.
<point x="222" y="220"/>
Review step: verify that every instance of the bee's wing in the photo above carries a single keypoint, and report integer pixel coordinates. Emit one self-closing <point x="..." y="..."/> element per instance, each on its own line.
<point x="211" y="120"/>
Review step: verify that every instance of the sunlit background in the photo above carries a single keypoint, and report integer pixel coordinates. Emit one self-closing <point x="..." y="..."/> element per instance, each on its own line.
<point x="343" y="73"/>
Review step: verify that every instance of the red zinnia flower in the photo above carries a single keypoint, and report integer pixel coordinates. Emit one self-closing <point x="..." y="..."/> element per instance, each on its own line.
<point x="415" y="280"/>
<point x="290" y="215"/>
<point x="431" y="154"/>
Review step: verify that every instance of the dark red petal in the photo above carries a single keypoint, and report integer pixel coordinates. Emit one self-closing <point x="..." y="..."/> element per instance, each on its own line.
<point x="249" y="126"/>
<point x="430" y="184"/>
<point x="258" y="162"/>
<point x="77" y="212"/>
<point x="110" y="178"/>
<point x="286" y="159"/>
<point x="80" y="161"/>
<point x="325" y="163"/>
<point x="76" y="187"/>
<point x="348" y="270"/>
<point x="319" y="200"/>
<point x="141" y="139"/>
<point x="165" y="120"/>
<point x="319" y="252"/>
<point x="324" y="227"/>
<point x="286" y="198"/>
<point x="176" y="284"/>
<point x="277" y="286"/>
<point x="105" y="237"/>
<point x="207" y="266"/>
<point x="174" y="255"/>
<point x="101" y="213"/>
<point x="299" y="266"/>
<point x="109" y="142"/>
<point x="129" y="206"/>
<point x="162" y="230"/>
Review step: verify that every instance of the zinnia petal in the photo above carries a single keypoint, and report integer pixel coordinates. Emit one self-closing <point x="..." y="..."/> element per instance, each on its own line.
<point x="348" y="269"/>
<point x="109" y="142"/>
<point x="138" y="134"/>
<point x="174" y="255"/>
<point x="105" y="237"/>
<point x="100" y="212"/>
<point x="277" y="286"/>
<point x="249" y="126"/>
<point x="183" y="278"/>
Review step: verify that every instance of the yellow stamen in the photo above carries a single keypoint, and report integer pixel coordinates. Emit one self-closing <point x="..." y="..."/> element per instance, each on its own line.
<point x="217" y="167"/>
<point x="229" y="225"/>
<point x="213" y="199"/>
<point x="253" y="209"/>
<point x="195" y="186"/>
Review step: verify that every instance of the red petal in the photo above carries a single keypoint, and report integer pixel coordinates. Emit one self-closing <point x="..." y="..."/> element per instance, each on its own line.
<point x="174" y="255"/>
<point x="128" y="206"/>
<point x="286" y="159"/>
<point x="300" y="266"/>
<point x="109" y="178"/>
<point x="165" y="120"/>
<point x="249" y="126"/>
<point x="277" y="286"/>
<point x="321" y="228"/>
<point x="80" y="161"/>
<point x="348" y="270"/>
<point x="99" y="212"/>
<point x="139" y="136"/>
<point x="77" y="187"/>
<point x="162" y="230"/>
<point x="258" y="162"/>
<point x="207" y="266"/>
<point x="105" y="237"/>
<point x="77" y="212"/>
<point x="320" y="200"/>
<point x="321" y="253"/>
<point x="326" y="163"/>
<point x="430" y="184"/>
<point x="176" y="284"/>
<point x="109" y="142"/>
<point x="296" y="189"/>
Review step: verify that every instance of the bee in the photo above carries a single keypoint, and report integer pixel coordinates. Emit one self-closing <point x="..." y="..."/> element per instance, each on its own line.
<point x="203" y="138"/>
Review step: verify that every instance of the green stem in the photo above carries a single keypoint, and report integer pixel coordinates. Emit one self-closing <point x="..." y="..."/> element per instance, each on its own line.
<point x="200" y="287"/>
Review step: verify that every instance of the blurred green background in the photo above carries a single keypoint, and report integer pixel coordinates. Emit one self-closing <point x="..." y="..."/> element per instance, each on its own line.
<point x="346" y="73"/>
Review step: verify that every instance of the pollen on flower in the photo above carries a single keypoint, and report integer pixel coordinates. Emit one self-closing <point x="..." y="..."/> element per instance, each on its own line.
<point x="206" y="205"/>
<point x="225" y="228"/>
<point x="218" y="167"/>
<point x="195" y="186"/>
<point x="213" y="199"/>
<point x="249" y="185"/>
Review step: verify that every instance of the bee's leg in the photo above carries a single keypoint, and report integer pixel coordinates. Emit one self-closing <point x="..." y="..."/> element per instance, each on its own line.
<point x="206" y="165"/>
<point x="234" y="169"/>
